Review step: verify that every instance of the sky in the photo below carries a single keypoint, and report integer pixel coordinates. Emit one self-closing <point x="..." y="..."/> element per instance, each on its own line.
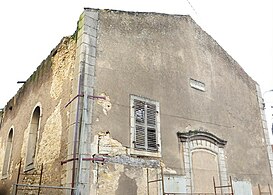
<point x="30" y="29"/>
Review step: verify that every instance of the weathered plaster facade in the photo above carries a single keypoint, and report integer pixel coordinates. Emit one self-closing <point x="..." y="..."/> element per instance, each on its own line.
<point x="50" y="89"/>
<point x="130" y="99"/>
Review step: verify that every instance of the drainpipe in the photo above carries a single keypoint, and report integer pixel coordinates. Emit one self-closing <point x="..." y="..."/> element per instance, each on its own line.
<point x="81" y="137"/>
<point x="74" y="179"/>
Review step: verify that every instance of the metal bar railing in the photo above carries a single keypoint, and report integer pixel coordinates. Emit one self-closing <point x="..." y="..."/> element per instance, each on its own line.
<point x="43" y="186"/>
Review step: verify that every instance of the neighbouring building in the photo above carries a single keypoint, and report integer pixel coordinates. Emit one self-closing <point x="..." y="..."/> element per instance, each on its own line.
<point x="136" y="103"/>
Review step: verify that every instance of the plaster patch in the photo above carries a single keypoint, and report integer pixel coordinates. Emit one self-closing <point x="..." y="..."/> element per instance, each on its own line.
<point x="105" y="64"/>
<point x="110" y="146"/>
<point x="181" y="54"/>
<point x="109" y="178"/>
<point x="141" y="184"/>
<point x="140" y="176"/>
<point x="133" y="172"/>
<point x="105" y="103"/>
<point x="50" y="144"/>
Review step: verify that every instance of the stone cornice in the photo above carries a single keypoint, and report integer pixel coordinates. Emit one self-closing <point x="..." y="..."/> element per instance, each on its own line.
<point x="201" y="135"/>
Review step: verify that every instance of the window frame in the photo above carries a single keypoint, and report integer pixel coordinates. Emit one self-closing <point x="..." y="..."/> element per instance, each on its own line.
<point x="9" y="143"/>
<point x="200" y="140"/>
<point x="33" y="152"/>
<point x="133" y="149"/>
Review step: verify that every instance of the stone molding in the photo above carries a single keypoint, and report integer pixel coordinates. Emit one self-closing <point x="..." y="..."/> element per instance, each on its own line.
<point x="202" y="140"/>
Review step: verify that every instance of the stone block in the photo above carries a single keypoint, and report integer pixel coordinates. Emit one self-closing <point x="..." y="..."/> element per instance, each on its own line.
<point x="92" y="14"/>
<point x="86" y="164"/>
<point x="85" y="58"/>
<point x="90" y="69"/>
<point x="89" y="80"/>
<point x="85" y="53"/>
<point x="87" y="39"/>
<point x="90" y="22"/>
<point x="91" y="31"/>
<point x="91" y="51"/>
<point x="187" y="160"/>
<point x="85" y="175"/>
<point x="90" y="60"/>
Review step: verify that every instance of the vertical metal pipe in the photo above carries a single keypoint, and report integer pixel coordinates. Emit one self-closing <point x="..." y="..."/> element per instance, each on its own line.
<point x="148" y="190"/>
<point x="231" y="185"/>
<point x="162" y="178"/>
<point x="269" y="189"/>
<point x="259" y="188"/>
<point x="18" y="177"/>
<point x="214" y="186"/>
<point x="76" y="137"/>
<point x="81" y="136"/>
<point x="40" y="180"/>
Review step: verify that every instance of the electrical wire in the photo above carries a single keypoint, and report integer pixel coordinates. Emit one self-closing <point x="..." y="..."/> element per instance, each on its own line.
<point x="192" y="7"/>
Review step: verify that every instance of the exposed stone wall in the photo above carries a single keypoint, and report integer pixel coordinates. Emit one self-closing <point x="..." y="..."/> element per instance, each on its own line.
<point x="121" y="173"/>
<point x="49" y="87"/>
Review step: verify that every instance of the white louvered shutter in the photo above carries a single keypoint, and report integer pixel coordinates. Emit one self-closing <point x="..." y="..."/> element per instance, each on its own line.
<point x="145" y="125"/>
<point x="140" y="133"/>
<point x="151" y="127"/>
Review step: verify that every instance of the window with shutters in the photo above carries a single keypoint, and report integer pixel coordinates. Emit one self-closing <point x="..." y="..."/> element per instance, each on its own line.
<point x="145" y="131"/>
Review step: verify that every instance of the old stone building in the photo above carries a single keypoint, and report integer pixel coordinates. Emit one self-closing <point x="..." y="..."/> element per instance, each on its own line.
<point x="135" y="103"/>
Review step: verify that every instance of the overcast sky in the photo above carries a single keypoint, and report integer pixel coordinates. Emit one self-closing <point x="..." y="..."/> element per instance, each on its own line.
<point x="30" y="29"/>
